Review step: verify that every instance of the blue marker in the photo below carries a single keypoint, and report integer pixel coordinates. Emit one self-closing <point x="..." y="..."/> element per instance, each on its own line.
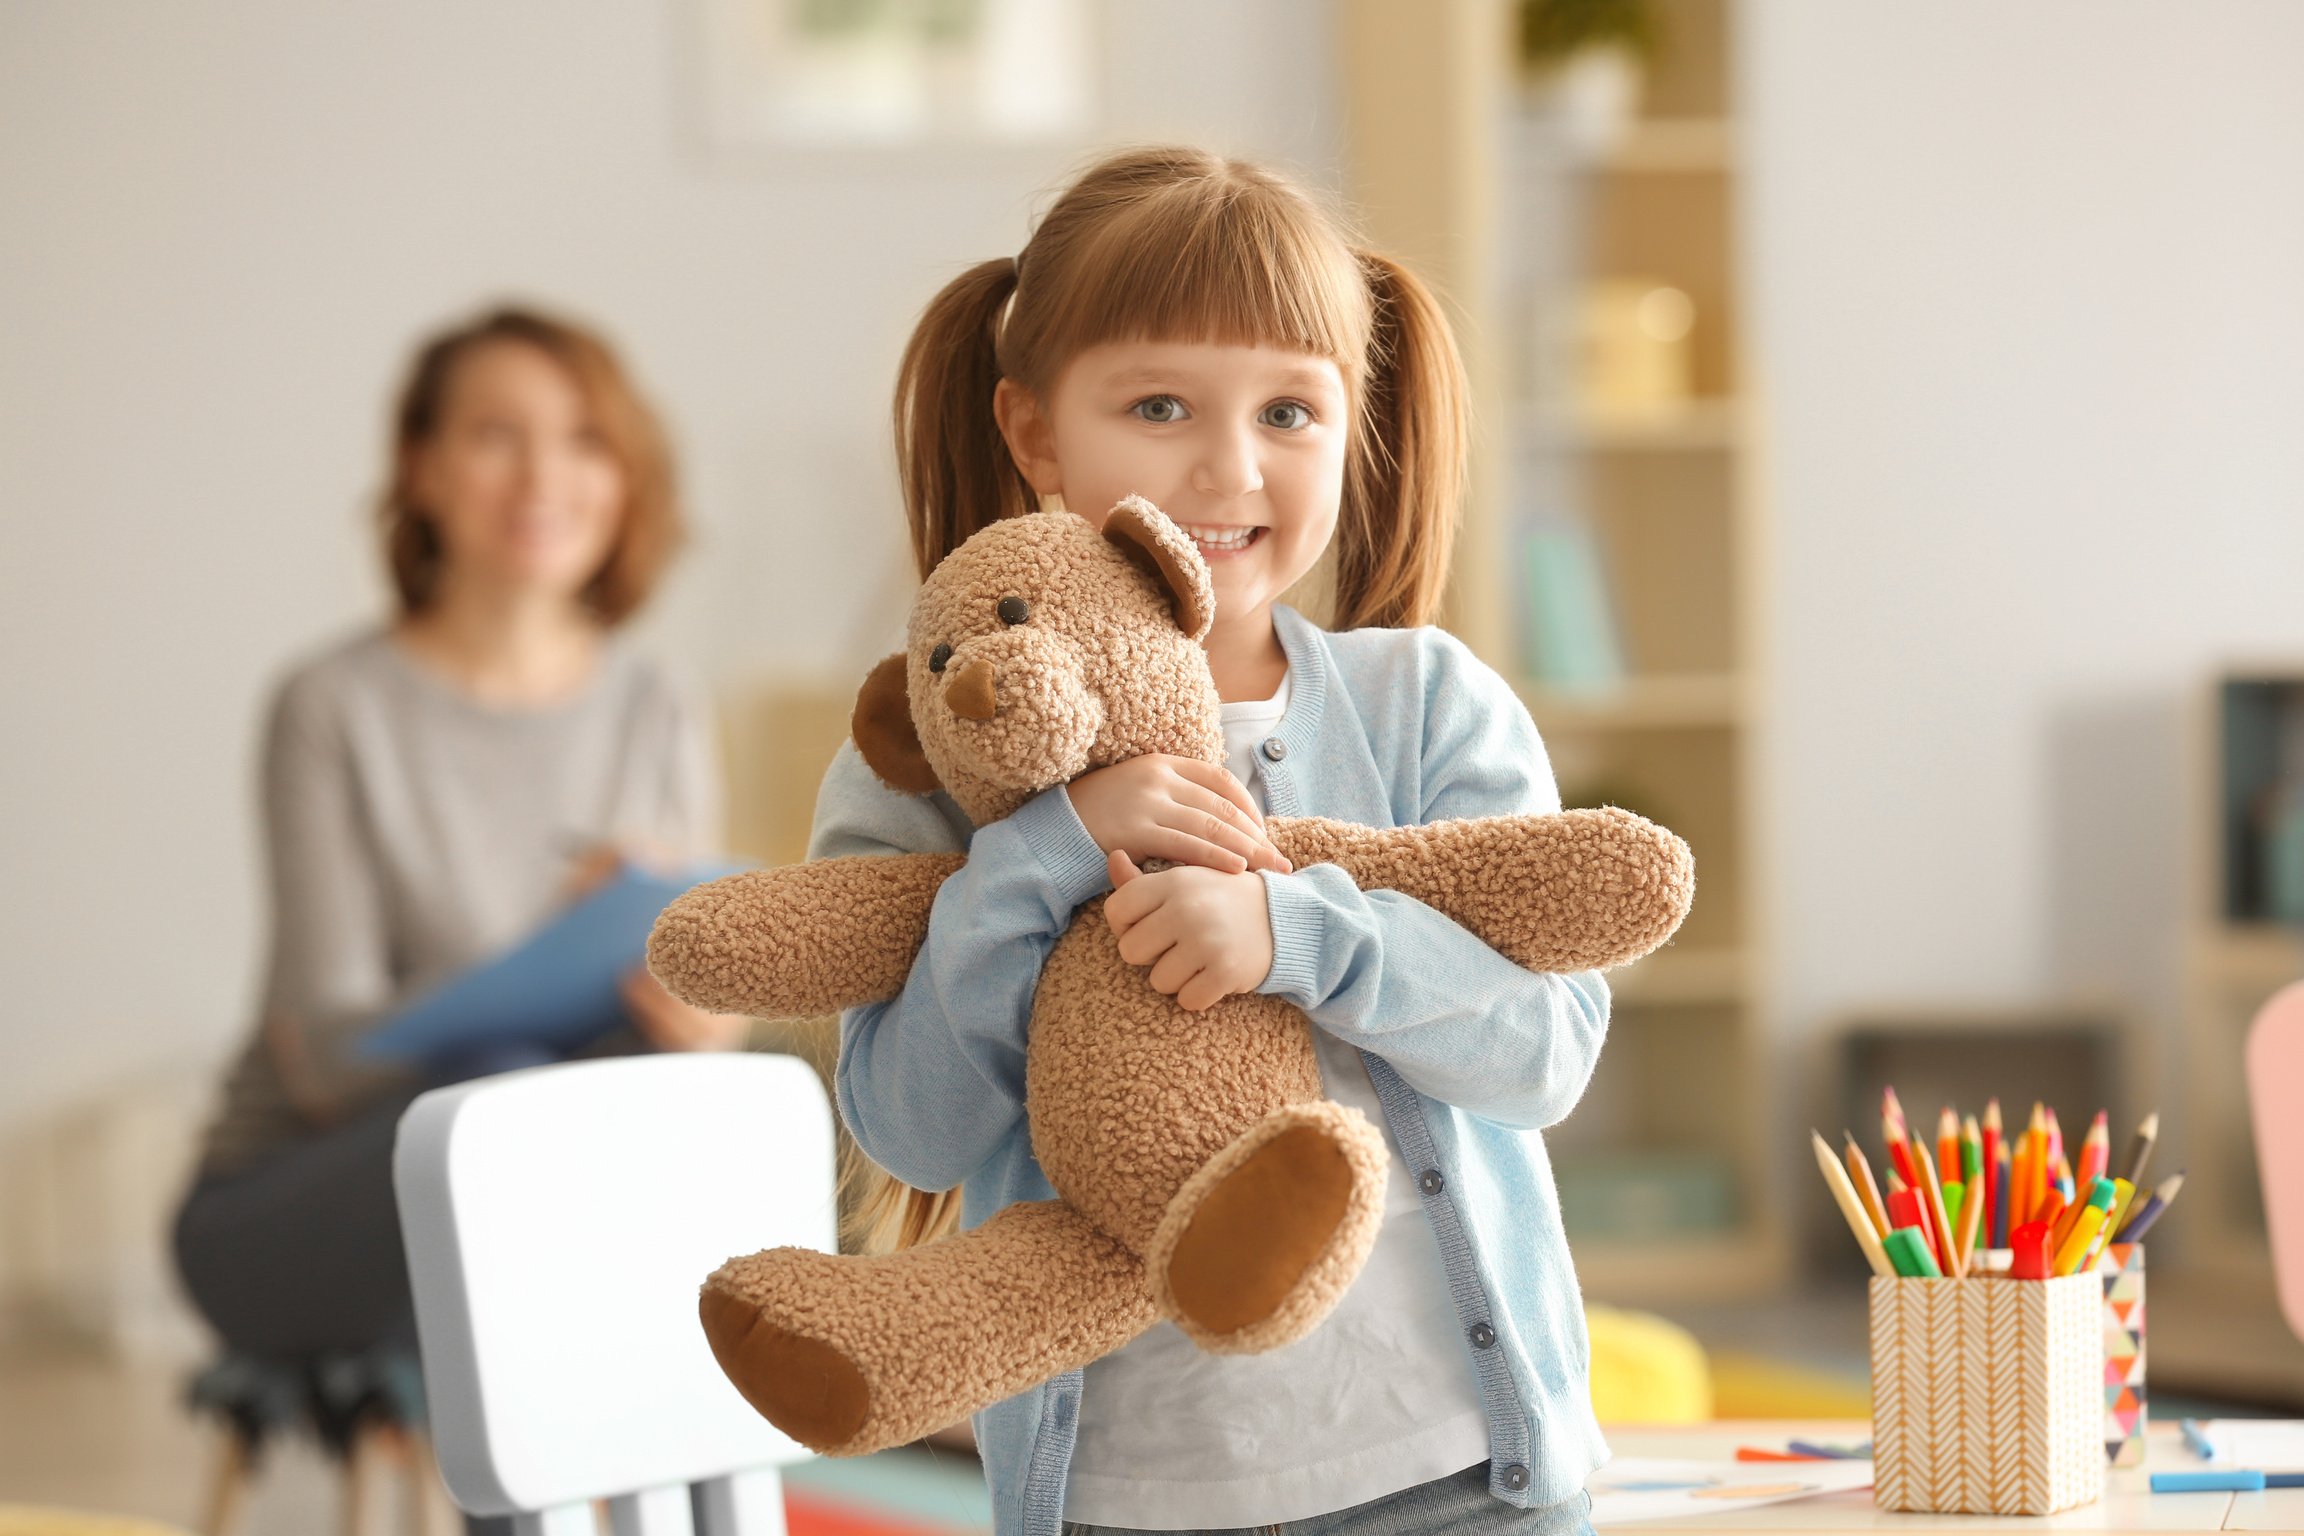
<point x="2197" y="1438"/>
<point x="2207" y="1482"/>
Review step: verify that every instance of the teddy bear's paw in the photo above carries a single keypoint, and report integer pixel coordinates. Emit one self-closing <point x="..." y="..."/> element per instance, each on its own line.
<point x="1261" y="1242"/>
<point x="806" y="1387"/>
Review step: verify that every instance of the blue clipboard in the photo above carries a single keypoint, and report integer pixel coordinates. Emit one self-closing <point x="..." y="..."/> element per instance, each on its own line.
<point x="557" y="989"/>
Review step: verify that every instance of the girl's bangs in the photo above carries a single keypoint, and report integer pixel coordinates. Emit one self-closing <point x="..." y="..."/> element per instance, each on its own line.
<point x="1243" y="267"/>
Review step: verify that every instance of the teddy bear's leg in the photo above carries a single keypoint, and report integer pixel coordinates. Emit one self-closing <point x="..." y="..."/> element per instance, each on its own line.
<point x="850" y="1354"/>
<point x="1261" y="1242"/>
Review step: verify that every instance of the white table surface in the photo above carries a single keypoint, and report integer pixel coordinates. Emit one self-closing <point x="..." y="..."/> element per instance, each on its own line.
<point x="2129" y="1504"/>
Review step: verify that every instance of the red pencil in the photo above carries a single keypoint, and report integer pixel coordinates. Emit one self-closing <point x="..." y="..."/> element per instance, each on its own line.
<point x="2095" y="1153"/>
<point x="1948" y="1146"/>
<point x="1993" y="1192"/>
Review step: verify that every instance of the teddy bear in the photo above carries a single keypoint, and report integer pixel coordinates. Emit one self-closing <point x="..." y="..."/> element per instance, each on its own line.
<point x="1202" y="1177"/>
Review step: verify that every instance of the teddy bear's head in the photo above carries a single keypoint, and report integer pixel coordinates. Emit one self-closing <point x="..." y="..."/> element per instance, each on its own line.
<point x="1042" y="648"/>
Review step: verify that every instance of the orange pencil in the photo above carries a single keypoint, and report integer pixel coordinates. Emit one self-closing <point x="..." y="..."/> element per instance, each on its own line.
<point x="1860" y="1175"/>
<point x="1993" y="1194"/>
<point x="2050" y="1210"/>
<point x="1947" y="1253"/>
<point x="2095" y="1152"/>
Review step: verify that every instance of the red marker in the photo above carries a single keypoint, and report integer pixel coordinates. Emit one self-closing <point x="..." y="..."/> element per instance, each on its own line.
<point x="2029" y="1243"/>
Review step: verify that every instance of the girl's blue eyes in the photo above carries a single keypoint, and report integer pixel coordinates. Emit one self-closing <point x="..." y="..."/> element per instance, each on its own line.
<point x="1162" y="410"/>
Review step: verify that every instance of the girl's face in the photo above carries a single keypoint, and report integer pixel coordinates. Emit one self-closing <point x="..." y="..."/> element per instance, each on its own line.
<point x="520" y="485"/>
<point x="1243" y="447"/>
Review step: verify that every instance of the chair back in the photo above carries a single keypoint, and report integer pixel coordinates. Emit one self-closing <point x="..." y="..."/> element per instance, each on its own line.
<point x="559" y="1222"/>
<point x="2276" y="1094"/>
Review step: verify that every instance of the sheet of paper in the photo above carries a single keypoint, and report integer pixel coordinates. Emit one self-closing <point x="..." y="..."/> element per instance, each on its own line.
<point x="2257" y="1445"/>
<point x="1632" y="1488"/>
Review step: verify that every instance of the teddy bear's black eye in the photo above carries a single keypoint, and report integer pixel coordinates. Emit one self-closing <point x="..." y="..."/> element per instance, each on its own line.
<point x="938" y="657"/>
<point x="1014" y="610"/>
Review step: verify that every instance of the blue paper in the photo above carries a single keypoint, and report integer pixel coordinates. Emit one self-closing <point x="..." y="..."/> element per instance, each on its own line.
<point x="556" y="991"/>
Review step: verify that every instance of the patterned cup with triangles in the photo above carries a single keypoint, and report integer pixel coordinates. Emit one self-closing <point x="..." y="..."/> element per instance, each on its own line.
<point x="2127" y="1405"/>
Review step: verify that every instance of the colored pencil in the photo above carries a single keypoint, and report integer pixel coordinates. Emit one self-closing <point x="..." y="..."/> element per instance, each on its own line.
<point x="2140" y="1148"/>
<point x="1844" y="1196"/>
<point x="2095" y="1151"/>
<point x="1995" y="1192"/>
<point x="1860" y="1174"/>
<point x="2000" y="1173"/>
<point x="2055" y="1138"/>
<point x="2122" y="1193"/>
<point x="1946" y="1258"/>
<point x="1971" y="1220"/>
<point x="1947" y="1146"/>
<point x="2140" y="1221"/>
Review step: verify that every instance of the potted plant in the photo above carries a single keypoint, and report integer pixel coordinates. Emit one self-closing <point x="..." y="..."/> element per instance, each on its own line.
<point x="1586" y="57"/>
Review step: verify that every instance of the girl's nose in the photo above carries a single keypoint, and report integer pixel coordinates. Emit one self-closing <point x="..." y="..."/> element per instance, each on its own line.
<point x="1228" y="468"/>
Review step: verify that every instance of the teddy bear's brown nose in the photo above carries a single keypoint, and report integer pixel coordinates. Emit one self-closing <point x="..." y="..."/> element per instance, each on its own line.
<point x="968" y="691"/>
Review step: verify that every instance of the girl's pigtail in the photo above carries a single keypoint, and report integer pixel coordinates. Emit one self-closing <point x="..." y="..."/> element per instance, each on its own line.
<point x="955" y="467"/>
<point x="1404" y="491"/>
<point x="882" y="1214"/>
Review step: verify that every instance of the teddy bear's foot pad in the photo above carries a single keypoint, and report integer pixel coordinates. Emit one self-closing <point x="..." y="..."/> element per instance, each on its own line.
<point x="1262" y="1242"/>
<point x="803" y="1386"/>
<point x="850" y="1354"/>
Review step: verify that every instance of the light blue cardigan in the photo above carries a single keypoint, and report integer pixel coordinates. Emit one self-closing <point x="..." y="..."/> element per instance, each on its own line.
<point x="1471" y="1056"/>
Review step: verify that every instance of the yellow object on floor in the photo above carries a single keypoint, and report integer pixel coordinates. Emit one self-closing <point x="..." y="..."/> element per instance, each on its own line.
<point x="1646" y="1370"/>
<point x="23" y="1520"/>
<point x="1757" y="1387"/>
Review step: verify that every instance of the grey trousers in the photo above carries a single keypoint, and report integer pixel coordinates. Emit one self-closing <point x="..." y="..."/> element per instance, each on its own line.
<point x="1442" y="1507"/>
<point x="302" y="1253"/>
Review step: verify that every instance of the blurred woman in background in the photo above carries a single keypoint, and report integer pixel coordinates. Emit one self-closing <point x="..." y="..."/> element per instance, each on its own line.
<point x="435" y="788"/>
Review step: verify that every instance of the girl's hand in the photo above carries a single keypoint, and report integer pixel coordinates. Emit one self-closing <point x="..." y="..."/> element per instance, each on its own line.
<point x="1174" y="808"/>
<point x="669" y="1024"/>
<point x="1206" y="935"/>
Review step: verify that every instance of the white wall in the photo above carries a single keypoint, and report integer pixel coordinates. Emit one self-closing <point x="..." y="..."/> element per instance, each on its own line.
<point x="221" y="226"/>
<point x="2030" y="293"/>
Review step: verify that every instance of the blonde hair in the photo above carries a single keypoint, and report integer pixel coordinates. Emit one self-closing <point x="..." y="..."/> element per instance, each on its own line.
<point x="1176" y="244"/>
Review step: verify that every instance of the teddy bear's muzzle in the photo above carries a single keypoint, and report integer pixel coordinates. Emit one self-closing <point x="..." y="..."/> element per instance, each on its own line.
<point x="971" y="690"/>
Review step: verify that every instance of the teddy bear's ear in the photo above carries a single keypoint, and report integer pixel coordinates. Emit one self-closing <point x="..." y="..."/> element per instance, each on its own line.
<point x="1147" y="537"/>
<point x="882" y="727"/>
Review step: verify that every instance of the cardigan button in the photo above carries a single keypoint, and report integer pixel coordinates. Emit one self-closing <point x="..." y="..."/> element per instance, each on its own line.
<point x="1430" y="1181"/>
<point x="1482" y="1336"/>
<point x="1274" y="749"/>
<point x="1516" y="1477"/>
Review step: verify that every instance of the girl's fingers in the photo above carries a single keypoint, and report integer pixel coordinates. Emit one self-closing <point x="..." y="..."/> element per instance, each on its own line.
<point x="1205" y="828"/>
<point x="1149" y="940"/>
<point x="1182" y="846"/>
<point x="1120" y="868"/>
<point x="1130" y="903"/>
<point x="1250" y="842"/>
<point x="1219" y="780"/>
<point x="1202" y="991"/>
<point x="1173" y="970"/>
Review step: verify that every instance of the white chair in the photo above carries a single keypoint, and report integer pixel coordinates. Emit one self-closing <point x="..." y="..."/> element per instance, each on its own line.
<point x="559" y="1222"/>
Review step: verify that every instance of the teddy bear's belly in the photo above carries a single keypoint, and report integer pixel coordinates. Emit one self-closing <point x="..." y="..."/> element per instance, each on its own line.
<point x="1129" y="1094"/>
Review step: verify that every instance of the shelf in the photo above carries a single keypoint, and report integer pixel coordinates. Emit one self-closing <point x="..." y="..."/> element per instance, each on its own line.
<point x="2268" y="953"/>
<point x="1669" y="145"/>
<point x="1702" y="425"/>
<point x="1683" y="975"/>
<point x="1657" y="702"/>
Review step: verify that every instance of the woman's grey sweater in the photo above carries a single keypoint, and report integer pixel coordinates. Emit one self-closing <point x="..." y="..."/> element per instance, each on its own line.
<point x="411" y="831"/>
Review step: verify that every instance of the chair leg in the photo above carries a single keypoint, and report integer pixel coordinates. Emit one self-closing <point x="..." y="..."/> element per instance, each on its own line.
<point x="361" y="1459"/>
<point x="435" y="1514"/>
<point x="228" y="1485"/>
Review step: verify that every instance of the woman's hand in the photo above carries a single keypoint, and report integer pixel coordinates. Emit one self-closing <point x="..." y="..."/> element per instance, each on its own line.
<point x="1174" y="808"/>
<point x="669" y="1024"/>
<point x="1206" y="935"/>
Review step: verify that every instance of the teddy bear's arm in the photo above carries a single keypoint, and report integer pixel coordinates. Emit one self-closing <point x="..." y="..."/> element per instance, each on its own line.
<point x="802" y="940"/>
<point x="1572" y="891"/>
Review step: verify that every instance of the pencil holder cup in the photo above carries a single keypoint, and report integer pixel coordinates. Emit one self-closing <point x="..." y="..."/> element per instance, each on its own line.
<point x="2126" y="1403"/>
<point x="1987" y="1395"/>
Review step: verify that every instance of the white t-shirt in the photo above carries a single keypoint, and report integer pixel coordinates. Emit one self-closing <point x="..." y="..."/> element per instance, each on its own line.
<point x="1380" y="1397"/>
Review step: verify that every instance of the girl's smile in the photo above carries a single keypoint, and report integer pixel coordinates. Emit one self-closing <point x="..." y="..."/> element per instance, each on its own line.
<point x="1242" y="446"/>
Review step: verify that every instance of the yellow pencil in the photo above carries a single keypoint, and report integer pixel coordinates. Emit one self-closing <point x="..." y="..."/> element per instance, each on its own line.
<point x="1860" y="1175"/>
<point x="1844" y="1195"/>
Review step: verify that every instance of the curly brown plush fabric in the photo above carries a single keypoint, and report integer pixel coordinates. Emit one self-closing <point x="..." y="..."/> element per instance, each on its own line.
<point x="1203" y="1178"/>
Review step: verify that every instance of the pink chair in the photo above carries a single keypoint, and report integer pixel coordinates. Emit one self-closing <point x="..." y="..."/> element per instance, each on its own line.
<point x="2276" y="1093"/>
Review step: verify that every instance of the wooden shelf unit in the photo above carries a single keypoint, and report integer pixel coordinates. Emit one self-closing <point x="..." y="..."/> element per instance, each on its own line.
<point x="1441" y="171"/>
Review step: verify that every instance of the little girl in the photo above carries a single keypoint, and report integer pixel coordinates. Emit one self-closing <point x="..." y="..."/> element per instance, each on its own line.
<point x="1199" y="332"/>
